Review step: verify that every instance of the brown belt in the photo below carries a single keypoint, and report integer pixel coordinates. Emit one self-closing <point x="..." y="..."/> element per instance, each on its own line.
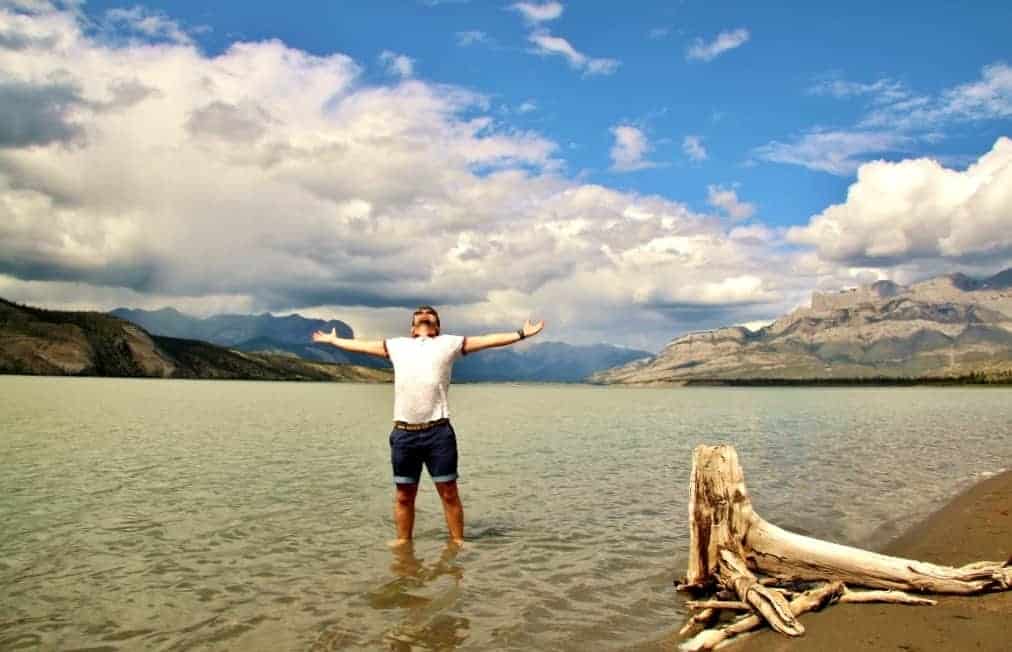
<point x="404" y="425"/>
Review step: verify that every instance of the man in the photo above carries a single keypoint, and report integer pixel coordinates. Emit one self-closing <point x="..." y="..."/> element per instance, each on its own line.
<point x="422" y="433"/>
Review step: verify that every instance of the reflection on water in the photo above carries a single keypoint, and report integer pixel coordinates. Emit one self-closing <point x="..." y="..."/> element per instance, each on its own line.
<point x="165" y="514"/>
<point x="420" y="591"/>
<point x="420" y="599"/>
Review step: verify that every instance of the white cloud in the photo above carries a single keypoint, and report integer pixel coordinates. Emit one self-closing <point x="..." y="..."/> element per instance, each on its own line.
<point x="693" y="147"/>
<point x="658" y="32"/>
<point x="147" y="23"/>
<point x="527" y="106"/>
<point x="989" y="98"/>
<point x="281" y="180"/>
<point x="630" y="147"/>
<point x="896" y="120"/>
<point x="538" y="12"/>
<point x="880" y="91"/>
<point x="724" y="41"/>
<point x="918" y="209"/>
<point x="556" y="45"/>
<point x="836" y="152"/>
<point x="472" y="36"/>
<point x="726" y="199"/>
<point x="754" y="232"/>
<point x="601" y="66"/>
<point x="397" y="64"/>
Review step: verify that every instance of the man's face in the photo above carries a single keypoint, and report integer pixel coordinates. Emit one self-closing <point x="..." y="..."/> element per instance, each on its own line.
<point x="425" y="323"/>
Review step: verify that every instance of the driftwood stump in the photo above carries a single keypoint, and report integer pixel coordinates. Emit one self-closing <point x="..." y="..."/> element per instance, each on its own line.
<point x="731" y="546"/>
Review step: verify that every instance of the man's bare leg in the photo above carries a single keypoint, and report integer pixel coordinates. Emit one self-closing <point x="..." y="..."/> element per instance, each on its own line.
<point x="452" y="509"/>
<point x="404" y="512"/>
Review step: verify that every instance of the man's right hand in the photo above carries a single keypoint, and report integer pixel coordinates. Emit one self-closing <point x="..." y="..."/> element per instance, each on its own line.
<point x="323" y="336"/>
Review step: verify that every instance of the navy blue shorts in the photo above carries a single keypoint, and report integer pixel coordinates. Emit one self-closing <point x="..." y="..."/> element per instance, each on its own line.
<point x="435" y="447"/>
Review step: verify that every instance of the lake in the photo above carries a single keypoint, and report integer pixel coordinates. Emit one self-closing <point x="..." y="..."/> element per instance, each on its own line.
<point x="178" y="514"/>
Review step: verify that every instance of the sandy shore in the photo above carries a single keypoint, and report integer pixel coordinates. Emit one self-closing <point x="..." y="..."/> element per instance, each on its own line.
<point x="976" y="525"/>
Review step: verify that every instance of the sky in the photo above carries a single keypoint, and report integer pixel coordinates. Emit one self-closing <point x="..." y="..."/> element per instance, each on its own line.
<point x="627" y="173"/>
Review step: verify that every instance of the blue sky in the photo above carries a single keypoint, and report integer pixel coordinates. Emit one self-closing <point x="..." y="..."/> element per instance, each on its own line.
<point x="625" y="172"/>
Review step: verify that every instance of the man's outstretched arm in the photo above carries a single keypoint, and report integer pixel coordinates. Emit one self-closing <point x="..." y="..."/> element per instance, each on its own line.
<point x="372" y="347"/>
<point x="478" y="342"/>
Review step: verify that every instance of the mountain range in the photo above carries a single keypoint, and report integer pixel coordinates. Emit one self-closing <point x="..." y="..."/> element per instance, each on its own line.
<point x="264" y="333"/>
<point x="950" y="326"/>
<point x="947" y="327"/>
<point x="89" y="343"/>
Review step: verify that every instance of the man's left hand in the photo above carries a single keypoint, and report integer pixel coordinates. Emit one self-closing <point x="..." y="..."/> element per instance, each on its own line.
<point x="530" y="328"/>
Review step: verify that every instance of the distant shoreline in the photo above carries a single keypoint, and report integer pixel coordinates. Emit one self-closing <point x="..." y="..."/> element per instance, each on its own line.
<point x="1000" y="379"/>
<point x="971" y="379"/>
<point x="1004" y="380"/>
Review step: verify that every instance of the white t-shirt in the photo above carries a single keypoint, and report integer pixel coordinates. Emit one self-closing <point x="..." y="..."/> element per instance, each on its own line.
<point x="422" y="368"/>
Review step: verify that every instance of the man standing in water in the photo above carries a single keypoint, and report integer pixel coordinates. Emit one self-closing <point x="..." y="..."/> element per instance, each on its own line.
<point x="422" y="433"/>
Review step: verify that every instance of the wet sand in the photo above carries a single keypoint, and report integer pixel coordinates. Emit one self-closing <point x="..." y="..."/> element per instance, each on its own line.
<point x="976" y="525"/>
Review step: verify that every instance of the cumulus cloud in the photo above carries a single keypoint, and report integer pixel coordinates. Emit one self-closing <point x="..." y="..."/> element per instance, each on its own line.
<point x="264" y="177"/>
<point x="917" y="209"/>
<point x="726" y="199"/>
<point x="399" y="65"/>
<point x="631" y="145"/>
<point x="556" y="45"/>
<point x="700" y="50"/>
<point x="538" y="13"/>
<point x="693" y="147"/>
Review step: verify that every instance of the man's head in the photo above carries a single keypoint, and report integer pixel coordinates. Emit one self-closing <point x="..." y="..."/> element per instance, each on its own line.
<point x="424" y="321"/>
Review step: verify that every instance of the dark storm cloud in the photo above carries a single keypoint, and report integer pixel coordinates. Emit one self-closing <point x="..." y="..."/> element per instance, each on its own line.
<point x="33" y="114"/>
<point x="308" y="297"/>
<point x="140" y="276"/>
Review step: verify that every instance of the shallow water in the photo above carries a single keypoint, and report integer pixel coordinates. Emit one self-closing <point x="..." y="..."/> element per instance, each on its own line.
<point x="172" y="515"/>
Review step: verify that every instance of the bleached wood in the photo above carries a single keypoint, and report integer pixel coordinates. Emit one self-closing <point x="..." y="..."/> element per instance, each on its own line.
<point x="704" y="618"/>
<point x="807" y="601"/>
<point x="721" y="516"/>
<point x="894" y="597"/>
<point x="730" y="545"/>
<point x="734" y="574"/>
<point x="732" y="605"/>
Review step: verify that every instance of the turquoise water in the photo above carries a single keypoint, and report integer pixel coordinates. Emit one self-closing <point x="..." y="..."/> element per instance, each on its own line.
<point x="173" y="515"/>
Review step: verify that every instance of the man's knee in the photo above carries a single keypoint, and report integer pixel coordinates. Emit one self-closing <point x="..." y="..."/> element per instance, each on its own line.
<point x="448" y="492"/>
<point x="405" y="495"/>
